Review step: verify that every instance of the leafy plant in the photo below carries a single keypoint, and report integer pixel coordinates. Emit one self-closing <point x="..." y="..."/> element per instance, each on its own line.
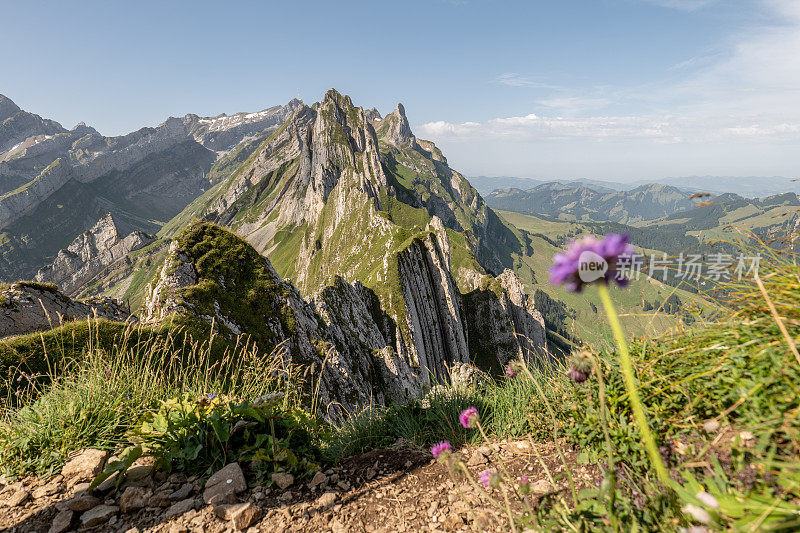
<point x="202" y="434"/>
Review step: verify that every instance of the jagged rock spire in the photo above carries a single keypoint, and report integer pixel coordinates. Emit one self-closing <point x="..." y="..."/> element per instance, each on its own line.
<point x="399" y="132"/>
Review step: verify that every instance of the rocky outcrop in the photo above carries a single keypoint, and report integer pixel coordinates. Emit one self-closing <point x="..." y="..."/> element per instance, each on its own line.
<point x="26" y="307"/>
<point x="357" y="352"/>
<point x="23" y="200"/>
<point x="89" y="254"/>
<point x="436" y="328"/>
<point x="503" y="322"/>
<point x="398" y="131"/>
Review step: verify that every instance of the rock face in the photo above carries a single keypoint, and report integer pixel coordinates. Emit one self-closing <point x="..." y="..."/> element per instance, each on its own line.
<point x="89" y="254"/>
<point x="356" y="351"/>
<point x="27" y="307"/>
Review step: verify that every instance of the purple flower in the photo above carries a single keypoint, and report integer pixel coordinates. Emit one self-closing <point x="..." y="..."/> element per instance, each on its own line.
<point x="489" y="478"/>
<point x="510" y="371"/>
<point x="591" y="259"/>
<point x="469" y="417"/>
<point x="211" y="396"/>
<point x="524" y="486"/>
<point x="443" y="448"/>
<point x="576" y="375"/>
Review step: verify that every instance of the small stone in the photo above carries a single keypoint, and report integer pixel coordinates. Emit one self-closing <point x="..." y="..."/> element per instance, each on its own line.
<point x="479" y="457"/>
<point x="224" y="485"/>
<point x="98" y="515"/>
<point x="178" y="528"/>
<point x="747" y="438"/>
<point x="241" y="514"/>
<point x="432" y="509"/>
<point x="108" y="483"/>
<point x="541" y="487"/>
<point x="17" y="498"/>
<point x="286" y="496"/>
<point x="318" y="479"/>
<point x="62" y="522"/>
<point x="159" y="499"/>
<point x="182" y="493"/>
<point x="141" y="468"/>
<point x="83" y="502"/>
<point x="46" y="490"/>
<point x="180" y="508"/>
<point x="77" y="488"/>
<point x="85" y="466"/>
<point x="711" y="426"/>
<point x="327" y="499"/>
<point x="134" y="498"/>
<point x="282" y="480"/>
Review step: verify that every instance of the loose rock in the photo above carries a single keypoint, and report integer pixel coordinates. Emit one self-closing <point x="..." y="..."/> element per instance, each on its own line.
<point x="99" y="515"/>
<point x="134" y="498"/>
<point x="62" y="522"/>
<point x="282" y="480"/>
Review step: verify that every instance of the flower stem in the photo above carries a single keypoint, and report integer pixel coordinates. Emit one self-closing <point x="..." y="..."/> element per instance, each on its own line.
<point x="609" y="446"/>
<point x="630" y="385"/>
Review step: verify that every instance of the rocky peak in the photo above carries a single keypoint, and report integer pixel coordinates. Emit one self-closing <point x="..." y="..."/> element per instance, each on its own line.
<point x="90" y="253"/>
<point x="373" y="114"/>
<point x="7" y="108"/>
<point x="82" y="129"/>
<point x="398" y="130"/>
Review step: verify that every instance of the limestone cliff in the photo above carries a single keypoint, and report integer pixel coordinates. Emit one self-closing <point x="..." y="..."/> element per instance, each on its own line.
<point x="90" y="253"/>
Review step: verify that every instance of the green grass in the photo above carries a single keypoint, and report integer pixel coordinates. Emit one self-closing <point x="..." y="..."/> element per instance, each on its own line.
<point x="94" y="400"/>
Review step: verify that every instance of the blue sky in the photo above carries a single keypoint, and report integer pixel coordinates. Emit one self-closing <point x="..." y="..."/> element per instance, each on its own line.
<point x="618" y="89"/>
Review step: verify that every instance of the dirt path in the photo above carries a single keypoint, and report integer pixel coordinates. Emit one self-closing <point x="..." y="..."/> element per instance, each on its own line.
<point x="396" y="489"/>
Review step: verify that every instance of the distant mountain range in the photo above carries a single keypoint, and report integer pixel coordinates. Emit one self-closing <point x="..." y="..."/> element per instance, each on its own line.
<point x="643" y="203"/>
<point x="56" y="183"/>
<point x="750" y="187"/>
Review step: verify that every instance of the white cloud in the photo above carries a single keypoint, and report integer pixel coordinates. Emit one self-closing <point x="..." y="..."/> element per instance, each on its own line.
<point x="746" y="93"/>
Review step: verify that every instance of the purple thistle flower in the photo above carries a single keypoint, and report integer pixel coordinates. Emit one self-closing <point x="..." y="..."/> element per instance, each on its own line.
<point x="576" y="375"/>
<point x="489" y="478"/>
<point x="510" y="371"/>
<point x="469" y="417"/>
<point x="591" y="259"/>
<point x="443" y="448"/>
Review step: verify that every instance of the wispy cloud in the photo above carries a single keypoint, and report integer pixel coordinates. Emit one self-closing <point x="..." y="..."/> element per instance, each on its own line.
<point x="746" y="92"/>
<point x="683" y="5"/>
<point x="513" y="79"/>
